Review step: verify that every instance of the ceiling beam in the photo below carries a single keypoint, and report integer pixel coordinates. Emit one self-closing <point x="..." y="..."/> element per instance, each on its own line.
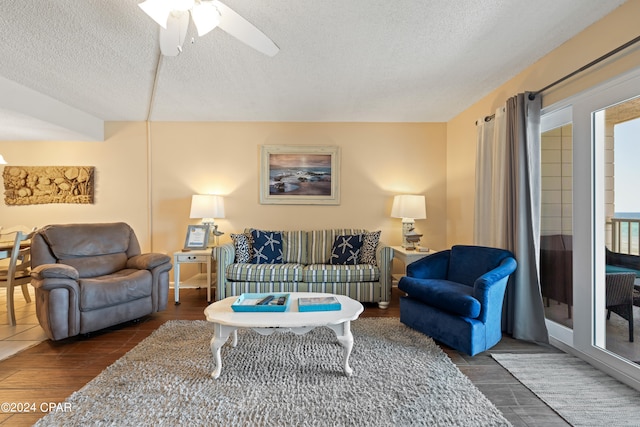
<point x="48" y="119"/>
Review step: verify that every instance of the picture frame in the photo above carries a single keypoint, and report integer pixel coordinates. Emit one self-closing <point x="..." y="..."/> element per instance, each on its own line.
<point x="197" y="237"/>
<point x="300" y="175"/>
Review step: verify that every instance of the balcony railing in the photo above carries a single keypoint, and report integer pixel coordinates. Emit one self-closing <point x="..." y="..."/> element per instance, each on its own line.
<point x="625" y="235"/>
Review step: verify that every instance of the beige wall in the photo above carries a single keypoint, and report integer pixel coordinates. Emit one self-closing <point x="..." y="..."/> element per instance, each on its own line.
<point x="378" y="161"/>
<point x="612" y="31"/>
<point x="120" y="179"/>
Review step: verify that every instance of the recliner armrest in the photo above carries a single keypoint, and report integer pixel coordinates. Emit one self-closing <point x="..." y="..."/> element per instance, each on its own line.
<point x="148" y="261"/>
<point x="55" y="271"/>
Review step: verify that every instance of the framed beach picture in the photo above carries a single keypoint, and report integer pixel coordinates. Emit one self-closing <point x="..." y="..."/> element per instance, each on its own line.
<point x="300" y="175"/>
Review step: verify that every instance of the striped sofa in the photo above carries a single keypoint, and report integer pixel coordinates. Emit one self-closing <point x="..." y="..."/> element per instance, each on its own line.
<point x="305" y="269"/>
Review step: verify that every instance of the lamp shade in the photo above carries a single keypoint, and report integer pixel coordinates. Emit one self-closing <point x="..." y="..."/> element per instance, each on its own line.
<point x="207" y="206"/>
<point x="409" y="206"/>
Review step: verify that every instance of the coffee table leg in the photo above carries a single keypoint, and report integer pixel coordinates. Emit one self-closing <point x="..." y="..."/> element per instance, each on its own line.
<point x="345" y="338"/>
<point x="220" y="336"/>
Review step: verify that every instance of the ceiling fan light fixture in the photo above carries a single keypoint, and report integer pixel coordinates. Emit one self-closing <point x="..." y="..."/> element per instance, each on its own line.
<point x="158" y="10"/>
<point x="205" y="16"/>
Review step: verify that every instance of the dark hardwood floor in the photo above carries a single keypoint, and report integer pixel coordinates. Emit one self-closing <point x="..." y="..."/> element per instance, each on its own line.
<point x="51" y="371"/>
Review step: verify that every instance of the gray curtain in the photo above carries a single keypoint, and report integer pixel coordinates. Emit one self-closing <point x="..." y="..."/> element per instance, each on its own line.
<point x="514" y="222"/>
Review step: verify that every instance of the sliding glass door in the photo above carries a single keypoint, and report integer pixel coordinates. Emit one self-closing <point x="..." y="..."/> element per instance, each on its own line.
<point x="617" y="132"/>
<point x="590" y="220"/>
<point x="556" y="222"/>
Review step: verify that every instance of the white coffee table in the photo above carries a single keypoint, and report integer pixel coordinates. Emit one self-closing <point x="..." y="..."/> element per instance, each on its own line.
<point x="226" y="322"/>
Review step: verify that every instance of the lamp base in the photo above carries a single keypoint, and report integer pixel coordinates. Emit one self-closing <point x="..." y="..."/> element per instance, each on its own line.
<point x="407" y="225"/>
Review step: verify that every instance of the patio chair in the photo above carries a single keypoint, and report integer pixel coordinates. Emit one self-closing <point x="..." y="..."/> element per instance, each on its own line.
<point x="619" y="297"/>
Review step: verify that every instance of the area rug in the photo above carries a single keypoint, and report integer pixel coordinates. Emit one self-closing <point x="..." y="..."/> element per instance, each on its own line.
<point x="578" y="392"/>
<point x="400" y="377"/>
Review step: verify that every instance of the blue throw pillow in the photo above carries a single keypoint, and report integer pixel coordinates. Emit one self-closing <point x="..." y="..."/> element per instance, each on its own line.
<point x="267" y="247"/>
<point x="346" y="250"/>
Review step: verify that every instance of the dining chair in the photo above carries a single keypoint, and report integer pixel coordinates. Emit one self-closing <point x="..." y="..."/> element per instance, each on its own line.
<point x="18" y="271"/>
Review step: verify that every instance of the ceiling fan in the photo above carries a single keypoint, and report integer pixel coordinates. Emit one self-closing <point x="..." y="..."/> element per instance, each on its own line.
<point x="173" y="17"/>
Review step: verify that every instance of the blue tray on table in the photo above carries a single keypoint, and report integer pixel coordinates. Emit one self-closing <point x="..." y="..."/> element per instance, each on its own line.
<point x="247" y="303"/>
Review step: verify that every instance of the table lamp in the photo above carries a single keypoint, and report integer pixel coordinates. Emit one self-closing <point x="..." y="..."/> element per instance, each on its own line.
<point x="208" y="207"/>
<point x="409" y="208"/>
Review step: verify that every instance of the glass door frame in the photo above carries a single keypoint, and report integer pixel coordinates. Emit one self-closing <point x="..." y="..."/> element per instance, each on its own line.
<point x="548" y="121"/>
<point x="588" y="226"/>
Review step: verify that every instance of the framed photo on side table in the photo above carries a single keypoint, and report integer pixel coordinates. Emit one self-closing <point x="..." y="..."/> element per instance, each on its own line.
<point x="197" y="237"/>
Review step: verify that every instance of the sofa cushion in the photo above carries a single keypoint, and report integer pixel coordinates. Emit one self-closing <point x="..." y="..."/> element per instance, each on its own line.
<point x="346" y="250"/>
<point x="320" y="243"/>
<point x="242" y="246"/>
<point x="294" y="247"/>
<point x="244" y="272"/>
<point x="327" y="273"/>
<point x="443" y="294"/>
<point x="267" y="247"/>
<point x="114" y="289"/>
<point x="369" y="245"/>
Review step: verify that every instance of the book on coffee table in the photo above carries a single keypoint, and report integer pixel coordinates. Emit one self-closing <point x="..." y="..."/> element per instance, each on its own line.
<point x="318" y="304"/>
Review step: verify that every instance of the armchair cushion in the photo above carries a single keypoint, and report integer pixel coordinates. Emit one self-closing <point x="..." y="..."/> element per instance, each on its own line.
<point x="467" y="263"/>
<point x="431" y="267"/>
<point x="70" y="241"/>
<point x="97" y="265"/>
<point x="114" y="289"/>
<point x="609" y="269"/>
<point x="622" y="263"/>
<point x="444" y="294"/>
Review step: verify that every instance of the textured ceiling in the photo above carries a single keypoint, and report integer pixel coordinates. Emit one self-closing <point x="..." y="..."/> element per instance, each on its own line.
<point x="355" y="60"/>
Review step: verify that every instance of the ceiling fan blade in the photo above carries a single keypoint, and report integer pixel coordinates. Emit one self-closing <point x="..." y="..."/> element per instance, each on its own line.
<point x="244" y="31"/>
<point x="172" y="38"/>
<point x="205" y="17"/>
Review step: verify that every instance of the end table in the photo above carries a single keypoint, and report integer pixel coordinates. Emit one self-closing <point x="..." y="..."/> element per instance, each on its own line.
<point x="407" y="257"/>
<point x="200" y="256"/>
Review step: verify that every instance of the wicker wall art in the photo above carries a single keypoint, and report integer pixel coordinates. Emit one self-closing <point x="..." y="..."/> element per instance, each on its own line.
<point x="35" y="185"/>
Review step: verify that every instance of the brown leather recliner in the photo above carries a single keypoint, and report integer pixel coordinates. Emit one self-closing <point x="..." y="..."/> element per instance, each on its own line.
<point x="91" y="276"/>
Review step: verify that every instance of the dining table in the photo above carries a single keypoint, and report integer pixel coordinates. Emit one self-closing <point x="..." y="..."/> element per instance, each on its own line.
<point x="6" y="247"/>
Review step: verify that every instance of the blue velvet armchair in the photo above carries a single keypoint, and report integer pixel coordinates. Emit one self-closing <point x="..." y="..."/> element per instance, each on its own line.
<point x="455" y="296"/>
